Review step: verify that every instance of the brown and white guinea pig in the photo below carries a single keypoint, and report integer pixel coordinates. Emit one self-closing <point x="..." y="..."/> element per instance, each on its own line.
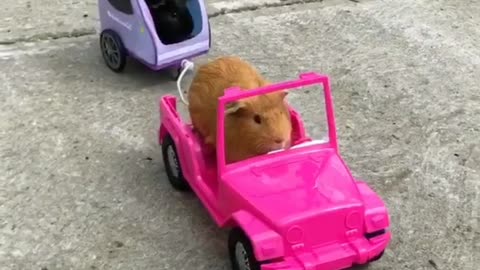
<point x="253" y="126"/>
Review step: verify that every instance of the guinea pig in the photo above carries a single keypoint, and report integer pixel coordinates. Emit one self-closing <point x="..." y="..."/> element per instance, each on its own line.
<point x="173" y="21"/>
<point x="253" y="126"/>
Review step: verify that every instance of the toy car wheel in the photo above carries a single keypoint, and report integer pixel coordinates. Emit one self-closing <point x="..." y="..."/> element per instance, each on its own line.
<point x="241" y="251"/>
<point x="172" y="165"/>
<point x="113" y="51"/>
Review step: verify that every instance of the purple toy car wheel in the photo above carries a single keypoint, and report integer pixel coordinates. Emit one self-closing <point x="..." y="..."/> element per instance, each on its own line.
<point x="113" y="51"/>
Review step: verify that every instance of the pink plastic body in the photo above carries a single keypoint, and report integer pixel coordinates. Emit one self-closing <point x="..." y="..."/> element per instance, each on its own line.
<point x="301" y="208"/>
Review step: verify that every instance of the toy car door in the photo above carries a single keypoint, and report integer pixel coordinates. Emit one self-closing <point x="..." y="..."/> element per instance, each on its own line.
<point x="144" y="41"/>
<point x="125" y="18"/>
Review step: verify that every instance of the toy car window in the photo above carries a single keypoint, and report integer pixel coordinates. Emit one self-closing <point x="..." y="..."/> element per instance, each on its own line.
<point x="124" y="6"/>
<point x="309" y="102"/>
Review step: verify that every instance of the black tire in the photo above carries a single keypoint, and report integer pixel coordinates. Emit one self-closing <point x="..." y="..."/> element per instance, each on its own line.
<point x="174" y="171"/>
<point x="113" y="51"/>
<point x="241" y="252"/>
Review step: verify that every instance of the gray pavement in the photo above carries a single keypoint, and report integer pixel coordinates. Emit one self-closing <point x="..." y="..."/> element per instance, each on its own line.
<point x="82" y="185"/>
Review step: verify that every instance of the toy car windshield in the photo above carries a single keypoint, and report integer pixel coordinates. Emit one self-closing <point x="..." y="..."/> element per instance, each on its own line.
<point x="308" y="97"/>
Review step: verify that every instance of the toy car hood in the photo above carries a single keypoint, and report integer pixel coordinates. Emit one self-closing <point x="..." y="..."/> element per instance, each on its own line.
<point x="320" y="177"/>
<point x="307" y="189"/>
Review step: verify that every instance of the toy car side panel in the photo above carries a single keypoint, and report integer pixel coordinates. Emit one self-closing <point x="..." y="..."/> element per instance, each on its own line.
<point x="145" y="43"/>
<point x="267" y="244"/>
<point x="376" y="215"/>
<point x="162" y="132"/>
<point x="167" y="107"/>
<point x="189" y="154"/>
<point x="121" y="23"/>
<point x="172" y="124"/>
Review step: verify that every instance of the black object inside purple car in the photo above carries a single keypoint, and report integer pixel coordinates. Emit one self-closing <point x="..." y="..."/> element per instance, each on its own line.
<point x="173" y="20"/>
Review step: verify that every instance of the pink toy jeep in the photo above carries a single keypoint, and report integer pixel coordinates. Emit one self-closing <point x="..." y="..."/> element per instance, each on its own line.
<point x="293" y="209"/>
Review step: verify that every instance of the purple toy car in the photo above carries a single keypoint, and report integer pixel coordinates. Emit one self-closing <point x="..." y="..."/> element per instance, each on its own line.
<point x="158" y="33"/>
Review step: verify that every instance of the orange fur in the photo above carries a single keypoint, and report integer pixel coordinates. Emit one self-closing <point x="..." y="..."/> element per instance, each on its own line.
<point x="244" y="136"/>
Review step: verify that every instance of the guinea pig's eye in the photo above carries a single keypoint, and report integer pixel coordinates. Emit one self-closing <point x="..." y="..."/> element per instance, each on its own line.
<point x="257" y="119"/>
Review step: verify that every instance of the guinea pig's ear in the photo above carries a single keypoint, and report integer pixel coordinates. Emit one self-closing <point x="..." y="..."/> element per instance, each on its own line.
<point x="234" y="107"/>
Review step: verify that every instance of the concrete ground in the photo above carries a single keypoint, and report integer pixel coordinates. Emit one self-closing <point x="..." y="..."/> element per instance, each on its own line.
<point x="82" y="185"/>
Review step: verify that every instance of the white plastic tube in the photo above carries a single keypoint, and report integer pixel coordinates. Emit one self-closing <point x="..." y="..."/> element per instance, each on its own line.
<point x="186" y="66"/>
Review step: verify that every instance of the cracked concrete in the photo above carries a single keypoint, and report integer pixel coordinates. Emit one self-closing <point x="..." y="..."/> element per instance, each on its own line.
<point x="30" y="21"/>
<point x="82" y="185"/>
<point x="24" y="20"/>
